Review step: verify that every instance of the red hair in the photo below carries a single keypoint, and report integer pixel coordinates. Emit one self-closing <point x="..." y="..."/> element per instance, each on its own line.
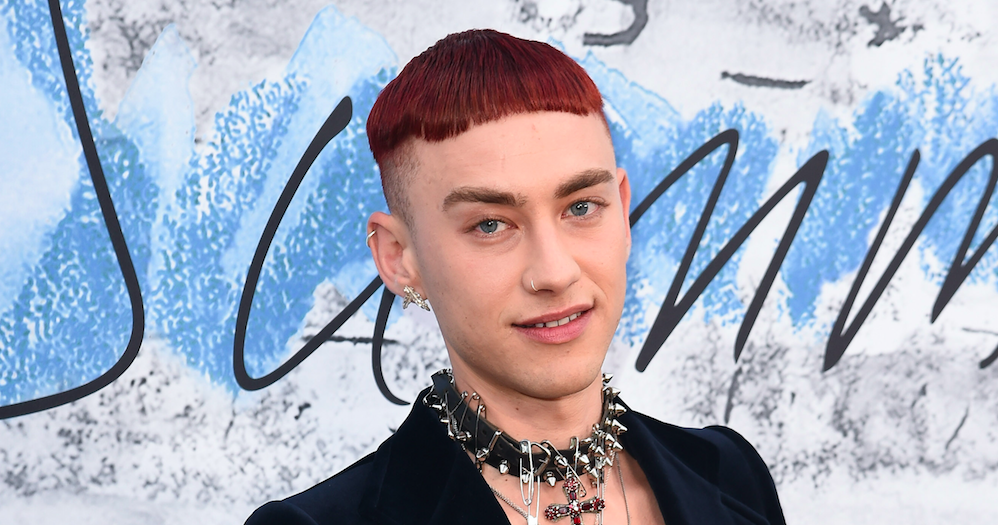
<point x="465" y="79"/>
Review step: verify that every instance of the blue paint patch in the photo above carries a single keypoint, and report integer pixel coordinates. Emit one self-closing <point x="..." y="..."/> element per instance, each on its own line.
<point x="326" y="243"/>
<point x="192" y="216"/>
<point x="661" y="237"/>
<point x="71" y="318"/>
<point x="934" y="111"/>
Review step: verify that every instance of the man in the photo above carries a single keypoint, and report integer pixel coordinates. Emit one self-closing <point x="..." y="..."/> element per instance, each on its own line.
<point x="510" y="215"/>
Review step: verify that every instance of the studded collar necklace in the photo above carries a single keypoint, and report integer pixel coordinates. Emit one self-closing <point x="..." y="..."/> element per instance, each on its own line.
<point x="528" y="460"/>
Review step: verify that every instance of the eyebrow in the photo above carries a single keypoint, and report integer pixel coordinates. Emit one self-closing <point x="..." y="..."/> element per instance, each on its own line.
<point x="473" y="194"/>
<point x="483" y="195"/>
<point x="582" y="180"/>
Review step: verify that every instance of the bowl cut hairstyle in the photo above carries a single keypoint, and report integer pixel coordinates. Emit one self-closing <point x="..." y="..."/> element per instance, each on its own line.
<point x="466" y="79"/>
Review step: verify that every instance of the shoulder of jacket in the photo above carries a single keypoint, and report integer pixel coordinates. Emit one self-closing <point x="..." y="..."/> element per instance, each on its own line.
<point x="743" y="474"/>
<point x="335" y="500"/>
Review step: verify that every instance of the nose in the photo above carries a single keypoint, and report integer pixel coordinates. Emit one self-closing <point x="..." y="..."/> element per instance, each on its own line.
<point x="552" y="266"/>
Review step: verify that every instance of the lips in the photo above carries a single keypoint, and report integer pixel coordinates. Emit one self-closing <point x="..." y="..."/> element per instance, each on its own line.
<point x="556" y="328"/>
<point x="556" y="318"/>
<point x="559" y="322"/>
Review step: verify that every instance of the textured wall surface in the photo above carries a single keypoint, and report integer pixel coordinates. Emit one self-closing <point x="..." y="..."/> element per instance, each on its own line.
<point x="200" y="111"/>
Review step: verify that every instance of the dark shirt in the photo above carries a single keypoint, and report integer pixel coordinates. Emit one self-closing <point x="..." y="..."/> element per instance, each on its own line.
<point x="420" y="476"/>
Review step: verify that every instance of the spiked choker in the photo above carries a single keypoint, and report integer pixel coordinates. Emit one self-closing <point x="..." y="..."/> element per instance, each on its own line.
<point x="528" y="460"/>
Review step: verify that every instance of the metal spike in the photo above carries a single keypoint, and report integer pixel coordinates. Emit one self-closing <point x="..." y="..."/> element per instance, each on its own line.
<point x="592" y="472"/>
<point x="583" y="459"/>
<point x="598" y="452"/>
<point x="607" y="378"/>
<point x="561" y="461"/>
<point x="482" y="454"/>
<point x="616" y="409"/>
<point x="614" y="392"/>
<point x="503" y="467"/>
<point x="617" y="427"/>
<point x="550" y="479"/>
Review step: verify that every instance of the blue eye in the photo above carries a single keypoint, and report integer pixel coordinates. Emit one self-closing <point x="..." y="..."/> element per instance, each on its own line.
<point x="580" y="208"/>
<point x="490" y="226"/>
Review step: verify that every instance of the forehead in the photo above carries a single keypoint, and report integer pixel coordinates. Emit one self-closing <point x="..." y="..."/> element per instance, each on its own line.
<point x="522" y="151"/>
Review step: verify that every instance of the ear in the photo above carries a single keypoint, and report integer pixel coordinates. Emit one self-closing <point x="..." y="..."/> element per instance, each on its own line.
<point x="624" y="187"/>
<point x="392" y="250"/>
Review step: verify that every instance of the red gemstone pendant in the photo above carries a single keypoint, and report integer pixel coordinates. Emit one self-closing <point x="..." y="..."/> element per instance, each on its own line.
<point x="574" y="508"/>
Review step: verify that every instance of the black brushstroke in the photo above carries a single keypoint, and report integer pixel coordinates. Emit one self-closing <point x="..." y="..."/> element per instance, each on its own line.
<point x="732" y="390"/>
<point x="957" y="431"/>
<point x="672" y="312"/>
<point x="627" y="36"/>
<point x="754" y="81"/>
<point x="387" y="299"/>
<point x="987" y="361"/>
<point x="887" y="29"/>
<point x="117" y="237"/>
<point x="334" y="124"/>
<point x="842" y="335"/>
<point x="354" y="340"/>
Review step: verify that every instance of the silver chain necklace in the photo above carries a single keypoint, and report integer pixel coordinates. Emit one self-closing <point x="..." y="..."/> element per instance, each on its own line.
<point x="531" y="520"/>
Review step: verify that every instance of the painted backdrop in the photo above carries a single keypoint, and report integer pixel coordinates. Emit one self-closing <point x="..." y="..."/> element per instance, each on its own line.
<point x="190" y="324"/>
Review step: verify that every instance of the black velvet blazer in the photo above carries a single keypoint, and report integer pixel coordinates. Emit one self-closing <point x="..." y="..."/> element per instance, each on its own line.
<point x="420" y="476"/>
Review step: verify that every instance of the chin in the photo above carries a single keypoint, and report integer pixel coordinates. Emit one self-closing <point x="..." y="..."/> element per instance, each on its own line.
<point x="539" y="371"/>
<point x="548" y="384"/>
<point x="561" y="374"/>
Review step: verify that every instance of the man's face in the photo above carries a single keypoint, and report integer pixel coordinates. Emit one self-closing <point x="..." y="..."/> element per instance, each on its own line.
<point x="533" y="201"/>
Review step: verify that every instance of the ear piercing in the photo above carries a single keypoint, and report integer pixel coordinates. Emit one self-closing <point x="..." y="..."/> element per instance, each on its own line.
<point x="412" y="296"/>
<point x="369" y="235"/>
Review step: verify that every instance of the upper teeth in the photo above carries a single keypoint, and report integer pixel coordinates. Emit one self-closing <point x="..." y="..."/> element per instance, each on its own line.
<point x="559" y="322"/>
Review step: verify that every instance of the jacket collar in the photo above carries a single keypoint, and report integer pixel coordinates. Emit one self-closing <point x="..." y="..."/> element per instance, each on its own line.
<point x="422" y="476"/>
<point x="686" y="489"/>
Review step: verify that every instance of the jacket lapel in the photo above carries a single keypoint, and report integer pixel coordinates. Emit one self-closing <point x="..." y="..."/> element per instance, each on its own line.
<point x="422" y="476"/>
<point x="686" y="489"/>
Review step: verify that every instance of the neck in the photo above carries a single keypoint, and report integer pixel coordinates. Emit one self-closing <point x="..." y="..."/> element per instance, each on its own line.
<point x="522" y="416"/>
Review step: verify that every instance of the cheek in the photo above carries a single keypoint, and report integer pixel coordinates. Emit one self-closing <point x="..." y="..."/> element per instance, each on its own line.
<point x="609" y="255"/>
<point x="468" y="285"/>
